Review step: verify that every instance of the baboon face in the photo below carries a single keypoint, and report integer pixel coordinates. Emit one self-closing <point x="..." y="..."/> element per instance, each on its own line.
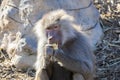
<point x="53" y="34"/>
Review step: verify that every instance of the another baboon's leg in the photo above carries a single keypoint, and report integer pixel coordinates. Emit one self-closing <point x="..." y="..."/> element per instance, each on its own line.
<point x="77" y="76"/>
<point x="41" y="75"/>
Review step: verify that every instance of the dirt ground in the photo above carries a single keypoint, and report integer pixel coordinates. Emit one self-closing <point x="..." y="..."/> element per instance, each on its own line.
<point x="108" y="50"/>
<point x="107" y="53"/>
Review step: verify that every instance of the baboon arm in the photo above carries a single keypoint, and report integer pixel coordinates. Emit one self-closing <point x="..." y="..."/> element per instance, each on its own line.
<point x="74" y="65"/>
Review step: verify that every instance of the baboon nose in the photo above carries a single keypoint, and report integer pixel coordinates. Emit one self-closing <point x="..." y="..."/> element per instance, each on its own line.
<point x="50" y="39"/>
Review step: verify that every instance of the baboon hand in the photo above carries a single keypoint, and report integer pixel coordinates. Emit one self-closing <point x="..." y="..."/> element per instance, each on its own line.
<point x="49" y="51"/>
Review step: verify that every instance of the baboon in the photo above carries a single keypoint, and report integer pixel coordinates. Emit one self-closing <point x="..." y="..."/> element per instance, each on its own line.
<point x="61" y="43"/>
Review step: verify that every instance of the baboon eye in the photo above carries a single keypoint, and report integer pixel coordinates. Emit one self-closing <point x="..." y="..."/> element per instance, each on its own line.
<point x="58" y="19"/>
<point x="56" y="27"/>
<point x="49" y="28"/>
